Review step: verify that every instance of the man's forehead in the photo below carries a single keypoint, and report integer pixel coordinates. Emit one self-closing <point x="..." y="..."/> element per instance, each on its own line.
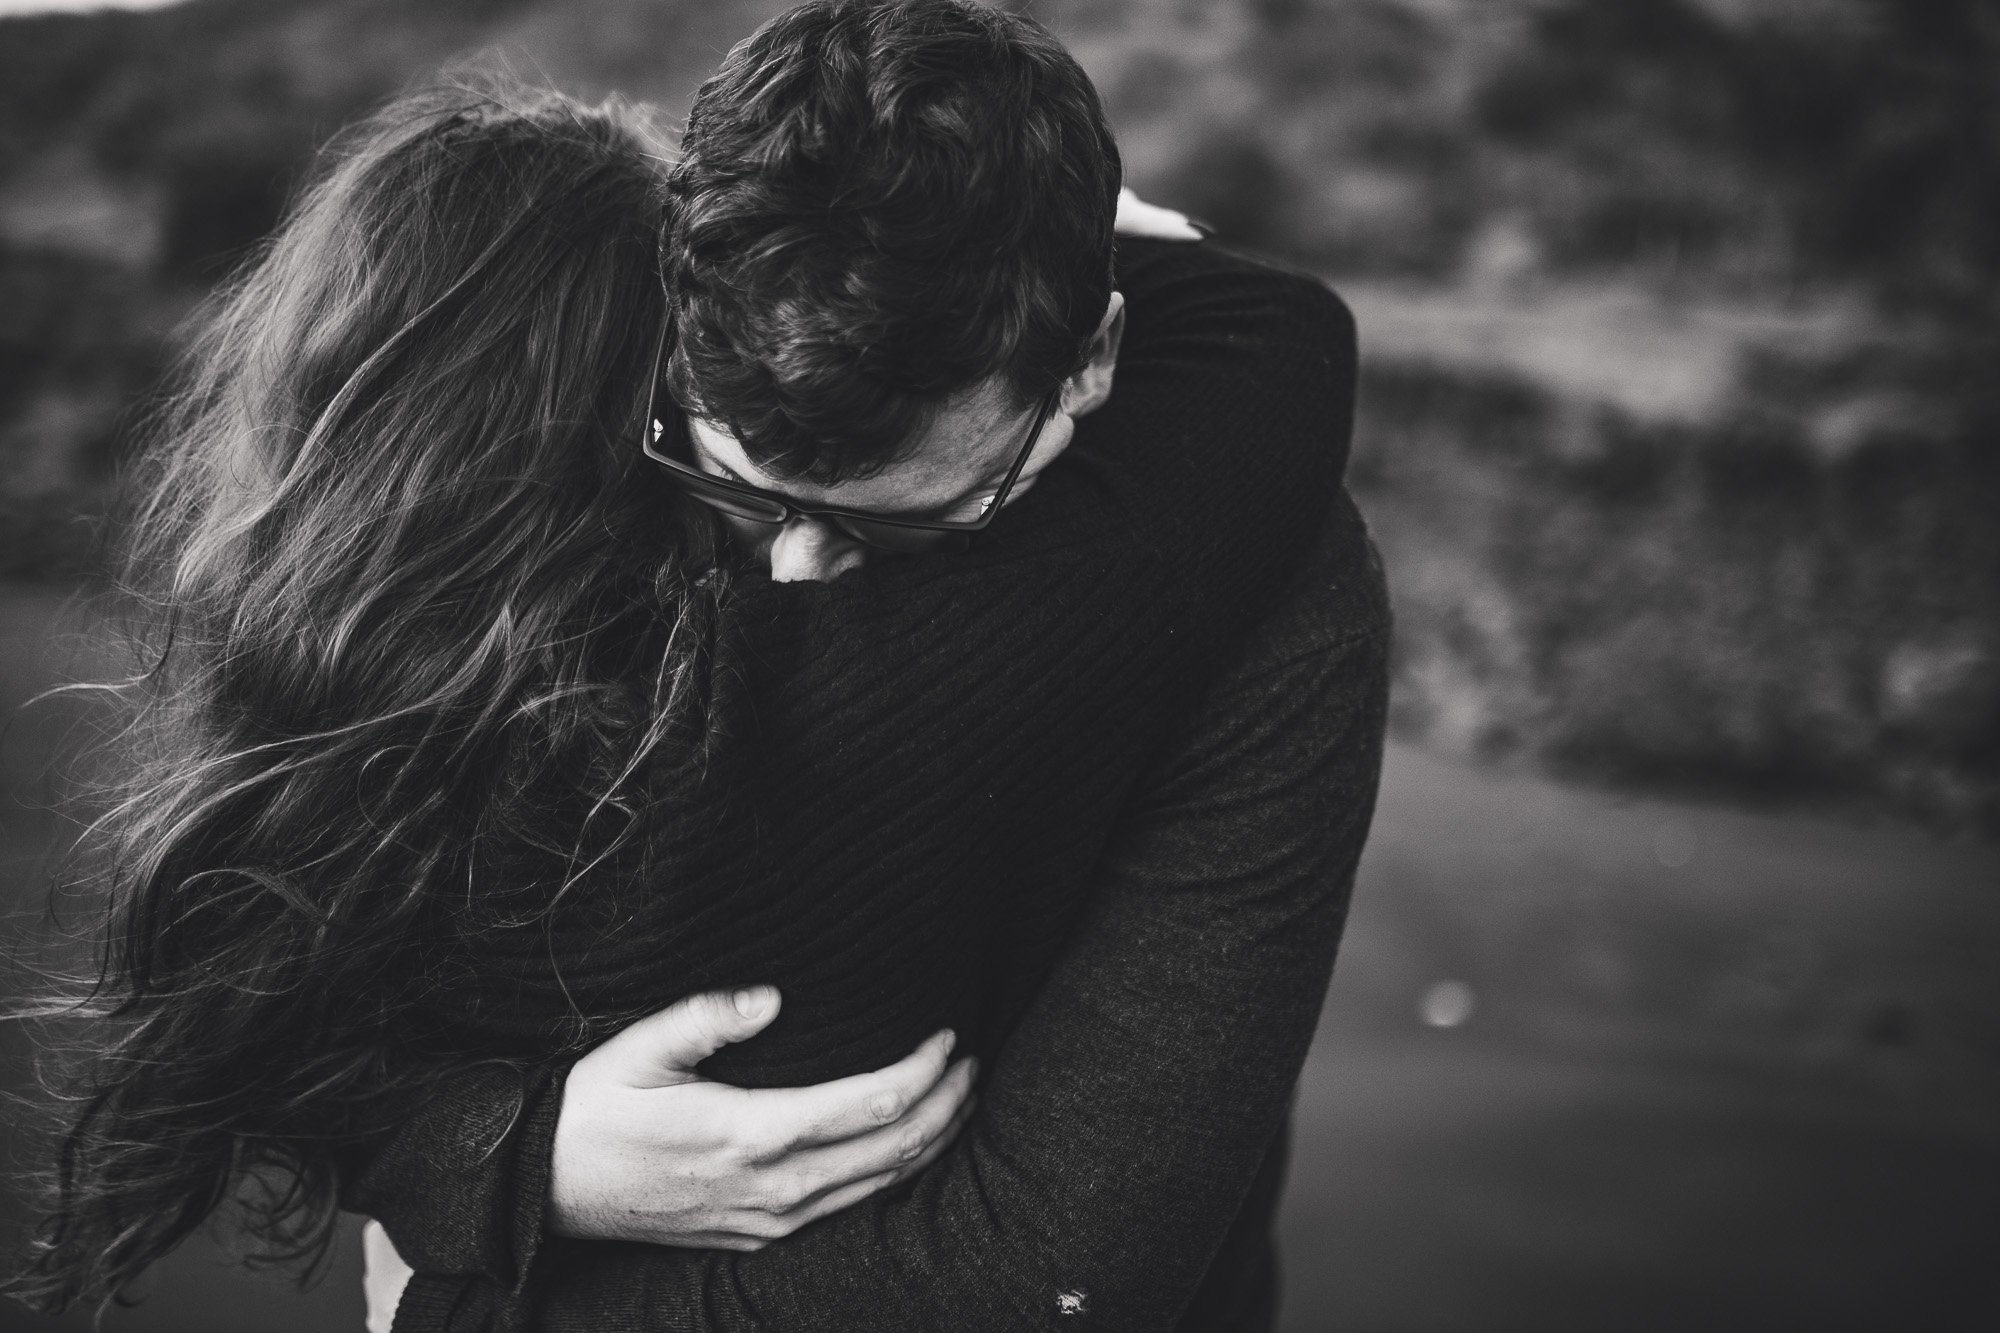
<point x="969" y="442"/>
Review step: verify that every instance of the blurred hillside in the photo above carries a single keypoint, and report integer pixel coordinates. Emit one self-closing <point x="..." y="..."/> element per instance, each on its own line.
<point x="1679" y="424"/>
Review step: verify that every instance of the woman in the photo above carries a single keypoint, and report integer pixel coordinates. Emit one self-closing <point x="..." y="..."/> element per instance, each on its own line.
<point x="447" y="670"/>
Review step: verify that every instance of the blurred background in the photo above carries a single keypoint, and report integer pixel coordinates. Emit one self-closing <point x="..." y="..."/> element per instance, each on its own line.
<point x="1668" y="1001"/>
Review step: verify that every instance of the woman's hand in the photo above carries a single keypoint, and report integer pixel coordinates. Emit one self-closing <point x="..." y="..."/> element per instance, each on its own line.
<point x="1136" y="217"/>
<point x="648" y="1150"/>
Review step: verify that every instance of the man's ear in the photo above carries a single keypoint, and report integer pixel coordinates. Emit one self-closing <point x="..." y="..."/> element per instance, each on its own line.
<point x="1086" y="390"/>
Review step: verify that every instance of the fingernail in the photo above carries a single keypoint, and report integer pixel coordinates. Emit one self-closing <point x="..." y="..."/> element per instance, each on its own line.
<point x="750" y="1001"/>
<point x="1205" y="228"/>
<point x="950" y="1040"/>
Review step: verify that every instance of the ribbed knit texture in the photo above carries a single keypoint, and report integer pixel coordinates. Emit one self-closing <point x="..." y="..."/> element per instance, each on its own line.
<point x="925" y="760"/>
<point x="926" y="756"/>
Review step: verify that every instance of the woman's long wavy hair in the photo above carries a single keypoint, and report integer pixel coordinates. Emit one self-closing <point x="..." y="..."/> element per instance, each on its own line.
<point x="394" y="547"/>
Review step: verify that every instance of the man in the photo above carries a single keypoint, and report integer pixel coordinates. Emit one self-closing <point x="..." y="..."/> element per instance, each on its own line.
<point x="895" y="313"/>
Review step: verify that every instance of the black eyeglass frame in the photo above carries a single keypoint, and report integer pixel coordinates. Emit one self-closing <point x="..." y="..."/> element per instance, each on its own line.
<point x="704" y="486"/>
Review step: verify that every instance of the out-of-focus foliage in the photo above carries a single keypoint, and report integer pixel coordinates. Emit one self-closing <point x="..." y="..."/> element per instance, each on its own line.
<point x="1770" y="142"/>
<point x="1678" y="425"/>
<point x="1680" y="428"/>
<point x="143" y="154"/>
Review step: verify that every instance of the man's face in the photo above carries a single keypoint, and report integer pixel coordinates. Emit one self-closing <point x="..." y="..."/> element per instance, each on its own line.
<point x="951" y="472"/>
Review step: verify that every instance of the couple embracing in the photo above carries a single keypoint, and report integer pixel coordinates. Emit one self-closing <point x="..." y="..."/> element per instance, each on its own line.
<point x="775" y="738"/>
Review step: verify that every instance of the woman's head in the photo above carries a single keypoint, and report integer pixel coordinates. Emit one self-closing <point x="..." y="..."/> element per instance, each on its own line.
<point x="446" y="331"/>
<point x="401" y="560"/>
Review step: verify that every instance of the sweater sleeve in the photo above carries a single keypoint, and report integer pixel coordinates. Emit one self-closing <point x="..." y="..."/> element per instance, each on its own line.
<point x="461" y="1188"/>
<point x="1127" y="1117"/>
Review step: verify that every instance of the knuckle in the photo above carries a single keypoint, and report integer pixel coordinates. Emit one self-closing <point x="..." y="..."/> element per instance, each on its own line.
<point x="885" y="1105"/>
<point x="755" y="1145"/>
<point x="910" y="1147"/>
<point x="709" y="1011"/>
<point x="806" y="1185"/>
<point x="767" y="1227"/>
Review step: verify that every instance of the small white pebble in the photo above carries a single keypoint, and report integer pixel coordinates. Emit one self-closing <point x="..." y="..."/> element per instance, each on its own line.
<point x="1445" y="1004"/>
<point x="1071" y="1302"/>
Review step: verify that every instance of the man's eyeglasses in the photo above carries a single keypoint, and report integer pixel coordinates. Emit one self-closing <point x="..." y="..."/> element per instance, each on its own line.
<point x="904" y="536"/>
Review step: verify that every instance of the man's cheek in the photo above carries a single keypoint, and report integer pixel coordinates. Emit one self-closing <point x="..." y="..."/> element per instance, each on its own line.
<point x="1022" y="485"/>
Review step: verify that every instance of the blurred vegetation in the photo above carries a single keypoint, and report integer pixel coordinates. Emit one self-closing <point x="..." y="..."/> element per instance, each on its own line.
<point x="1679" y="426"/>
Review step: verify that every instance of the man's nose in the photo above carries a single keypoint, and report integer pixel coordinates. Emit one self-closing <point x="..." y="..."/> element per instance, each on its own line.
<point x="813" y="550"/>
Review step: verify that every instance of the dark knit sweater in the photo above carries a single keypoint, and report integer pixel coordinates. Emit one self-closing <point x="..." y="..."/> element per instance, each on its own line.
<point x="929" y="762"/>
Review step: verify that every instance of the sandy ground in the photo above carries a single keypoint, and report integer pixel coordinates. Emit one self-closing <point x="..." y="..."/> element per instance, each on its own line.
<point x="1720" y="1071"/>
<point x="1589" y="1063"/>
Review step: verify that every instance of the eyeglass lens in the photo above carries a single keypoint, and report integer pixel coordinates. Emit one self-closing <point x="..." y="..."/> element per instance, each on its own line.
<point x="904" y="541"/>
<point x="731" y="502"/>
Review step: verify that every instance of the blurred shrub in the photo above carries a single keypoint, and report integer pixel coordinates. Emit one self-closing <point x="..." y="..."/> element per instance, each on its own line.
<point x="1791" y="592"/>
<point x="197" y="120"/>
<point x="78" y="345"/>
<point x="223" y="195"/>
<point x="50" y="66"/>
<point x="1722" y="606"/>
<point x="1697" y="140"/>
<point x="1326" y="132"/>
<point x="1833" y="139"/>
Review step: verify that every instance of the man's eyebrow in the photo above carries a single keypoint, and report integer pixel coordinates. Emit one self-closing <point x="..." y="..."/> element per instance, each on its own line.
<point x="708" y="456"/>
<point x="731" y="472"/>
<point x="994" y="472"/>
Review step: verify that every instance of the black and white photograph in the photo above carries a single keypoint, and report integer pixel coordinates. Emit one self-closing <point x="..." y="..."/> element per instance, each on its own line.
<point x="977" y="666"/>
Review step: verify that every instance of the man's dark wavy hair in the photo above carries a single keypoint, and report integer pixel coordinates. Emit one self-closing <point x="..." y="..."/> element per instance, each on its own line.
<point x="879" y="205"/>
